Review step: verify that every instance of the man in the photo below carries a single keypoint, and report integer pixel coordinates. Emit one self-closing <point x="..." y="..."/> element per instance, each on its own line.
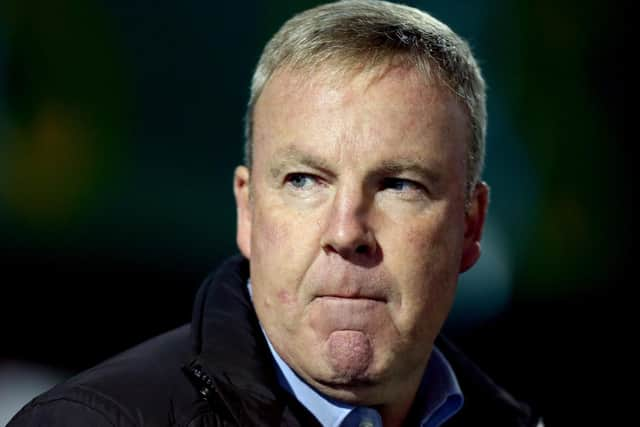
<point x="359" y="205"/>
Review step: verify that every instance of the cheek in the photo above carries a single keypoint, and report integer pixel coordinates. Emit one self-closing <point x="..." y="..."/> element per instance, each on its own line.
<point x="283" y="231"/>
<point x="441" y="237"/>
<point x="427" y="255"/>
<point x="434" y="238"/>
<point x="280" y="257"/>
<point x="286" y="298"/>
<point x="269" y="232"/>
<point x="426" y="269"/>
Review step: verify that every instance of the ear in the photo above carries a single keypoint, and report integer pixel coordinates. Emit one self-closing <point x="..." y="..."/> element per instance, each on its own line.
<point x="474" y="223"/>
<point x="241" y="186"/>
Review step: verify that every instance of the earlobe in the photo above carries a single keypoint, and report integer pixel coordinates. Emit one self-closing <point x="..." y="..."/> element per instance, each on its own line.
<point x="241" y="190"/>
<point x="474" y="224"/>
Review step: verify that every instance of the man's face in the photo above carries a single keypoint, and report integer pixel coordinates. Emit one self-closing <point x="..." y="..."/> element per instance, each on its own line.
<point x="354" y="220"/>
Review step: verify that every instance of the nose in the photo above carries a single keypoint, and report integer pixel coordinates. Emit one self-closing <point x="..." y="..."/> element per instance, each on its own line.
<point x="348" y="232"/>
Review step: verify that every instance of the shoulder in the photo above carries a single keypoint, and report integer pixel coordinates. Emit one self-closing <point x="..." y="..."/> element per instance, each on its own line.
<point x="73" y="406"/>
<point x="142" y="386"/>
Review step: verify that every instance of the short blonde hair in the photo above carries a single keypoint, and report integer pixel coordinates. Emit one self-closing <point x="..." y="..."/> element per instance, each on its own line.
<point x="353" y="34"/>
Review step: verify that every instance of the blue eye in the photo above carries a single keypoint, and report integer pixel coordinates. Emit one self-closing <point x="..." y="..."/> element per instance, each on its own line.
<point x="300" y="181"/>
<point x="399" y="184"/>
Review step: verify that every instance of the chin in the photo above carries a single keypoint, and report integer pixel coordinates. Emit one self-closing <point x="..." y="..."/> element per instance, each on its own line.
<point x="341" y="383"/>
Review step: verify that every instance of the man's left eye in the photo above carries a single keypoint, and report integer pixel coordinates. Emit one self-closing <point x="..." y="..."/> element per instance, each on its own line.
<point x="401" y="184"/>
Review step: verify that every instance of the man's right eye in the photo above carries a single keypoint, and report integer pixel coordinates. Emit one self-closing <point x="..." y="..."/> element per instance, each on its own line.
<point x="301" y="181"/>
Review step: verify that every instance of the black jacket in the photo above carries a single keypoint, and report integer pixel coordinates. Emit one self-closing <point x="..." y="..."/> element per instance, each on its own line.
<point x="219" y="372"/>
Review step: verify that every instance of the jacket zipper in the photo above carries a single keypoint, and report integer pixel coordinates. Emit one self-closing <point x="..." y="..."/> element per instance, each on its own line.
<point x="206" y="386"/>
<point x="202" y="381"/>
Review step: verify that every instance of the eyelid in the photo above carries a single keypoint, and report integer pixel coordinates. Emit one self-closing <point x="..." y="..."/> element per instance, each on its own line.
<point x="416" y="191"/>
<point x="414" y="183"/>
<point x="289" y="175"/>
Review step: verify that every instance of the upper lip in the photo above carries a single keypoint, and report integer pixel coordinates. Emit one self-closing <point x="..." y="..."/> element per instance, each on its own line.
<point x="341" y="282"/>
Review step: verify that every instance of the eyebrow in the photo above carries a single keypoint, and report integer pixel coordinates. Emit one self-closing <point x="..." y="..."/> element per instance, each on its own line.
<point x="399" y="166"/>
<point x="292" y="155"/>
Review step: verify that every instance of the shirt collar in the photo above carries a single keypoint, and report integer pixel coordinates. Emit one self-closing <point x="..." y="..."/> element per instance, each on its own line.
<point x="439" y="396"/>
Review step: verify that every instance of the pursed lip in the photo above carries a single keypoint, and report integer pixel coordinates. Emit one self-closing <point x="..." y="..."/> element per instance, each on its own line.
<point x="353" y="297"/>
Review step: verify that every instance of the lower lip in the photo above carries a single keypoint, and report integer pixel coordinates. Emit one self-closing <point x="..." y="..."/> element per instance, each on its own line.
<point x="333" y="300"/>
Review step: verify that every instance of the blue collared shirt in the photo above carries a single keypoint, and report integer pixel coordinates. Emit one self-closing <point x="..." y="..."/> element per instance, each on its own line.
<point x="438" y="398"/>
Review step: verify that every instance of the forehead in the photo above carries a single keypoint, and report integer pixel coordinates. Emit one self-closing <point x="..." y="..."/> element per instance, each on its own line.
<point x="389" y="107"/>
<point x="328" y="82"/>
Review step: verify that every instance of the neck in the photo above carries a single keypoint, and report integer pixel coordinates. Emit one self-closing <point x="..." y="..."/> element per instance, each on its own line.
<point x="396" y="413"/>
<point x="393" y="417"/>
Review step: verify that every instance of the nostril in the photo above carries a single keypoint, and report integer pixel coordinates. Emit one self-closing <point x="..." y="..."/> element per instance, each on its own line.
<point x="362" y="249"/>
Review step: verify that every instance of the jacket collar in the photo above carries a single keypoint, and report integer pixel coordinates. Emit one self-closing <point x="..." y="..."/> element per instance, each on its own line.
<point x="231" y="353"/>
<point x="224" y="329"/>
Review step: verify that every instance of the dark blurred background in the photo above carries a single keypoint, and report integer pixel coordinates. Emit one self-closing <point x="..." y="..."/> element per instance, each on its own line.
<point x="120" y="126"/>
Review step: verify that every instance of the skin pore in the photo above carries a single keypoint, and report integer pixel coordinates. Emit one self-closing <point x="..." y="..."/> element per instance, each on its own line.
<point x="353" y="216"/>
